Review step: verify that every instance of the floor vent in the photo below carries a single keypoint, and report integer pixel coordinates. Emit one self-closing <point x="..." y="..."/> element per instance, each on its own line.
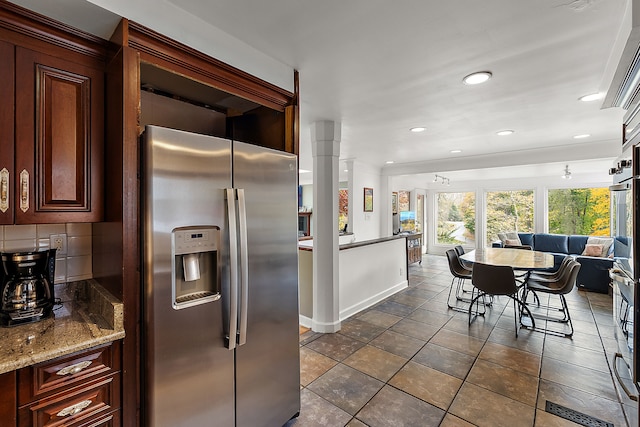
<point x="575" y="416"/>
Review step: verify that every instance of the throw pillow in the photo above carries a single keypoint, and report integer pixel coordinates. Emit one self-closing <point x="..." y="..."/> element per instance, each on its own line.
<point x="502" y="237"/>
<point x="513" y="236"/>
<point x="512" y="242"/>
<point x="593" y="250"/>
<point x="605" y="241"/>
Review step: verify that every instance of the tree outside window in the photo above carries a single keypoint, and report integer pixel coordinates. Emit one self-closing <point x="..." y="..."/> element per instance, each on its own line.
<point x="509" y="211"/>
<point x="583" y="211"/>
<point x="343" y="208"/>
<point x="456" y="218"/>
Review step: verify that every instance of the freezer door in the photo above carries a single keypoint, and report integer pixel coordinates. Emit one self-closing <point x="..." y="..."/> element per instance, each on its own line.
<point x="188" y="372"/>
<point x="268" y="363"/>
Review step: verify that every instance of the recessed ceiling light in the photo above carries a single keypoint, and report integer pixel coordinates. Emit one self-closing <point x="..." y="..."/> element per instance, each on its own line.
<point x="591" y="97"/>
<point x="456" y="151"/>
<point x="584" y="135"/>
<point x="346" y="170"/>
<point x="504" y="132"/>
<point x="389" y="162"/>
<point x="477" y="78"/>
<point x="418" y="129"/>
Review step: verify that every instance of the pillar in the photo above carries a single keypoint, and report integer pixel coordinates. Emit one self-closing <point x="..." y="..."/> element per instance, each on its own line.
<point x="325" y="144"/>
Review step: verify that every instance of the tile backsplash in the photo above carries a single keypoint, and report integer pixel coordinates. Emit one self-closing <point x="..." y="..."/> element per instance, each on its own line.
<point x="75" y="265"/>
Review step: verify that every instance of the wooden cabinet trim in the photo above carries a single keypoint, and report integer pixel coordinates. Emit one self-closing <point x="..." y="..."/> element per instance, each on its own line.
<point x="171" y="55"/>
<point x="25" y="26"/>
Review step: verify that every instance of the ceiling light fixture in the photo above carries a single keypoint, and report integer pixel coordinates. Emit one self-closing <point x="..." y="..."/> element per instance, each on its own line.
<point x="444" y="179"/>
<point x="504" y="132"/>
<point x="418" y="129"/>
<point x="455" y="151"/>
<point x="389" y="162"/>
<point x="584" y="135"/>
<point x="567" y="173"/>
<point x="590" y="97"/>
<point x="477" y="78"/>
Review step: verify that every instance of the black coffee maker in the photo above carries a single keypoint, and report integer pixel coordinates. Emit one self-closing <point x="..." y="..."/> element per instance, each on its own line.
<point x="27" y="286"/>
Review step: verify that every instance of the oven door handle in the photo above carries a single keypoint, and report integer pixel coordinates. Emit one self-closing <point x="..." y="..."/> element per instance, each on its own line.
<point x="631" y="396"/>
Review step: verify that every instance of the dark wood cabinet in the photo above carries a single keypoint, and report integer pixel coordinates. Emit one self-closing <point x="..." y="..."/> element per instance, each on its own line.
<point x="8" y="399"/>
<point x="414" y="248"/>
<point x="82" y="389"/>
<point x="51" y="121"/>
<point x="7" y="92"/>
<point x="58" y="140"/>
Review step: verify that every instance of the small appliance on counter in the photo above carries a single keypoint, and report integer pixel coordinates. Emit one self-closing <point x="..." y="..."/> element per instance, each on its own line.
<point x="27" y="286"/>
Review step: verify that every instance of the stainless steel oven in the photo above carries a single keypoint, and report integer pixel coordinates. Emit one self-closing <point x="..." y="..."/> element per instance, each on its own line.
<point x="623" y="318"/>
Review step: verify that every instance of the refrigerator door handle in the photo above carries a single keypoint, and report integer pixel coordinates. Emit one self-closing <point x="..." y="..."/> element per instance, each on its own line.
<point x="230" y="195"/>
<point x="244" y="266"/>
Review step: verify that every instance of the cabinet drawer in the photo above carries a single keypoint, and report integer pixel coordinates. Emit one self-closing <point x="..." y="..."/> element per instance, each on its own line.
<point x="88" y="405"/>
<point x="44" y="379"/>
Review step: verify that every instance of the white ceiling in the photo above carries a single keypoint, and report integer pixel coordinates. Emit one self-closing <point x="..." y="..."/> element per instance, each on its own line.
<point x="382" y="67"/>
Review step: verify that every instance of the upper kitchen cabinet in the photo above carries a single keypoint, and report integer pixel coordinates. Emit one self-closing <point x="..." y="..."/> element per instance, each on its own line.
<point x="186" y="89"/>
<point x="51" y="141"/>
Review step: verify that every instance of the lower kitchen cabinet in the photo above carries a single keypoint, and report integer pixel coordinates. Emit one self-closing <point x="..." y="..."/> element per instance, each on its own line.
<point x="78" y="390"/>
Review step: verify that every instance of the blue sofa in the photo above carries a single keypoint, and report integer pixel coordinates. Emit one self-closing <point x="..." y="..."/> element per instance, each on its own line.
<point x="594" y="271"/>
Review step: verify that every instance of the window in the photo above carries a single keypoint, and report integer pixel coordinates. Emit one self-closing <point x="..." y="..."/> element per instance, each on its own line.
<point x="456" y="218"/>
<point x="579" y="211"/>
<point x="509" y="211"/>
<point x="419" y="212"/>
<point x="343" y="208"/>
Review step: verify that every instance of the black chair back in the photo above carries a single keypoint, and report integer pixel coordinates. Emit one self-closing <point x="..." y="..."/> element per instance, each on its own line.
<point x="455" y="266"/>
<point x="494" y="279"/>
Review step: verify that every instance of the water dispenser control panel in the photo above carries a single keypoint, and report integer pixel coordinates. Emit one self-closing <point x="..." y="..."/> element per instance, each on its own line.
<point x="195" y="240"/>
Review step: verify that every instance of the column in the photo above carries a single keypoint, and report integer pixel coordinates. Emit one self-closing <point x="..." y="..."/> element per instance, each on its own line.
<point x="325" y="144"/>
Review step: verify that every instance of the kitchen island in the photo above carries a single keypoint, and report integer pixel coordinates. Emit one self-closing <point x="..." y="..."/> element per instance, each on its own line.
<point x="369" y="271"/>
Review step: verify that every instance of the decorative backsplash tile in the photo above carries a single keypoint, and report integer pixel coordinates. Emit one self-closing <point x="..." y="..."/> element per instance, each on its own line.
<point x="74" y="265"/>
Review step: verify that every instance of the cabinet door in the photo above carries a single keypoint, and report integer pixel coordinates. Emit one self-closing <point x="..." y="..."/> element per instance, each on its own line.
<point x="58" y="140"/>
<point x="7" y="91"/>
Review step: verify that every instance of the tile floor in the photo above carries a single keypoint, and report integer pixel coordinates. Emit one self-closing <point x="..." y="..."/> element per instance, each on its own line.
<point x="410" y="361"/>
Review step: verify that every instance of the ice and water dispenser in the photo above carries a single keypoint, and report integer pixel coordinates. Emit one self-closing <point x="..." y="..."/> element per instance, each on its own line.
<point x="195" y="259"/>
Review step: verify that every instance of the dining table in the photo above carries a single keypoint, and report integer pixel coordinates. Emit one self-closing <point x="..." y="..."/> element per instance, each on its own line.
<point x="519" y="259"/>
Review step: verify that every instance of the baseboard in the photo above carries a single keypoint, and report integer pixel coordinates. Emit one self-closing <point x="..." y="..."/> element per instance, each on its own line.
<point x="372" y="300"/>
<point x="305" y="321"/>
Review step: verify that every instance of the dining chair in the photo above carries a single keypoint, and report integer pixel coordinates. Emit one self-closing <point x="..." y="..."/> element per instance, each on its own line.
<point x="460" y="273"/>
<point x="524" y="247"/>
<point x="560" y="286"/>
<point x="496" y="280"/>
<point x="460" y="251"/>
<point x="551" y="275"/>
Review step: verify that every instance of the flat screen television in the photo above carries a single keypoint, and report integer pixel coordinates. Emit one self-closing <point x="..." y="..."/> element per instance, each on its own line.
<point x="407" y="221"/>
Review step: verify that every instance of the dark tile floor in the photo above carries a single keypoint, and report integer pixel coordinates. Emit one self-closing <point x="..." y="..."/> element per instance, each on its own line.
<point x="410" y="361"/>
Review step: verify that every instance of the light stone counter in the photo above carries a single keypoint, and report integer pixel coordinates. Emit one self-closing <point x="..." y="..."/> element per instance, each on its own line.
<point x="88" y="316"/>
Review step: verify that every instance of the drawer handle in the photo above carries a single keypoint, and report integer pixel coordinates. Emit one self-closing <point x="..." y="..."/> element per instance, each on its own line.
<point x="74" y="409"/>
<point x="4" y="190"/>
<point x="74" y="369"/>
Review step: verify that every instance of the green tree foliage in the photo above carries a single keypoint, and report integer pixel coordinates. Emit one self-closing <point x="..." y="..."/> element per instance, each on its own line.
<point x="579" y="211"/>
<point x="509" y="211"/>
<point x="343" y="208"/>
<point x="456" y="210"/>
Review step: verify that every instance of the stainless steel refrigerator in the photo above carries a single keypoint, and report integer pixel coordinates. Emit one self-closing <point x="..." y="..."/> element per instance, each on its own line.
<point x="220" y="282"/>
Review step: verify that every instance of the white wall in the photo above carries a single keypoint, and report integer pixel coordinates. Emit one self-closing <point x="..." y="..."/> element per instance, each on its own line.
<point x="366" y="225"/>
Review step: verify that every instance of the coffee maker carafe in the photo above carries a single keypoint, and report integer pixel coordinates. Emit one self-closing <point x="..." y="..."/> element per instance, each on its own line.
<point x="27" y="286"/>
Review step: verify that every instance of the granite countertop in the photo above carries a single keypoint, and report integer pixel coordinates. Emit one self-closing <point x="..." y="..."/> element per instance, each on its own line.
<point x="88" y="316"/>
